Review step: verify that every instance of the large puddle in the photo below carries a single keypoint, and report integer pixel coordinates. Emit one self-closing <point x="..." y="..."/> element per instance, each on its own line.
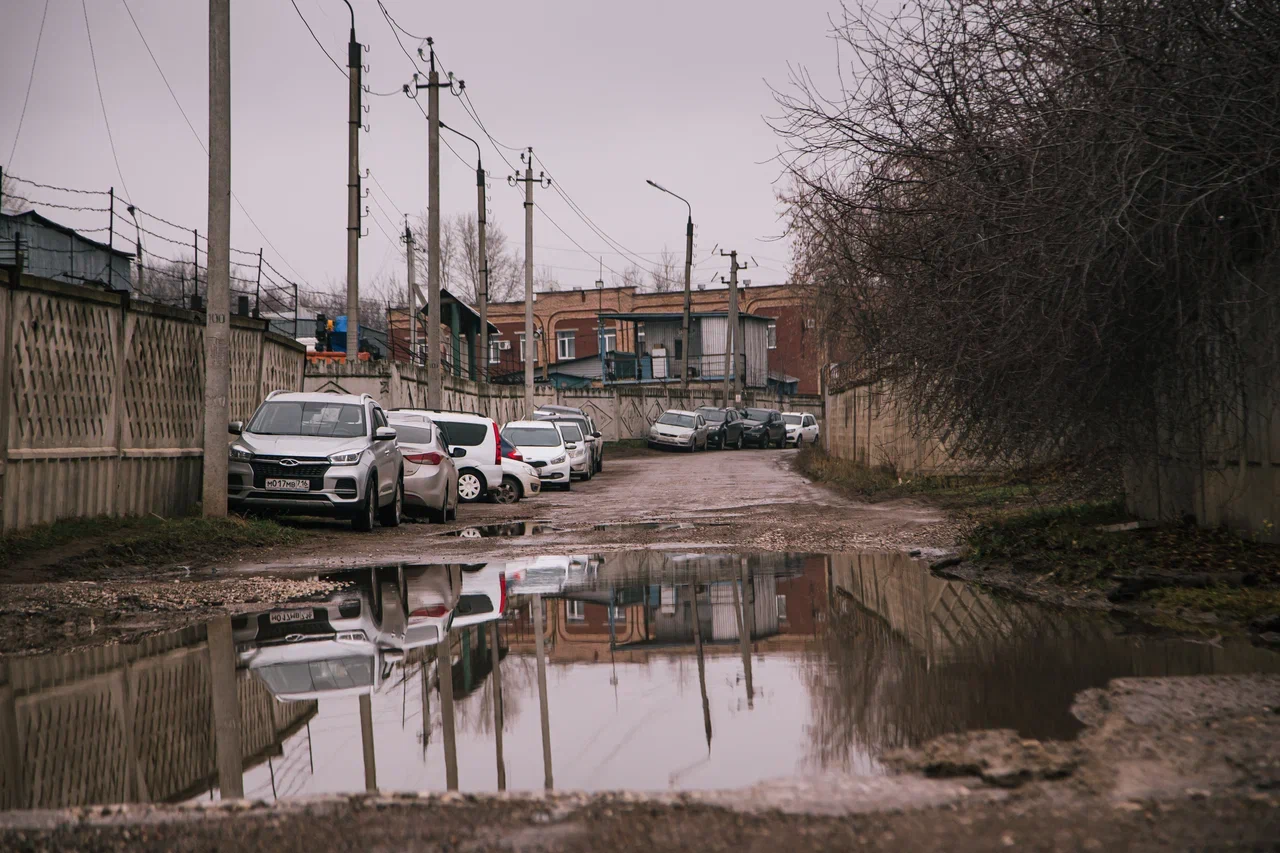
<point x="650" y="670"/>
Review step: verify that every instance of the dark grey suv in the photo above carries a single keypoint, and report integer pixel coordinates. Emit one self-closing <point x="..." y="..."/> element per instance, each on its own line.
<point x="763" y="427"/>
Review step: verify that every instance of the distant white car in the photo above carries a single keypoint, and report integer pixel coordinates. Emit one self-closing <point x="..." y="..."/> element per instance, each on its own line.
<point x="542" y="446"/>
<point x="581" y="463"/>
<point x="802" y="428"/>
<point x="681" y="430"/>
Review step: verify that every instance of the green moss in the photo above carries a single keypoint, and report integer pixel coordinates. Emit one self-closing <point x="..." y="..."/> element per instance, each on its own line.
<point x="1240" y="604"/>
<point x="882" y="483"/>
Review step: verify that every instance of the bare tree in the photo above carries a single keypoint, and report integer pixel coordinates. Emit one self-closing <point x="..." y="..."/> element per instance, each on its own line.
<point x="631" y="276"/>
<point x="9" y="196"/>
<point x="1048" y="224"/>
<point x="668" y="272"/>
<point x="460" y="258"/>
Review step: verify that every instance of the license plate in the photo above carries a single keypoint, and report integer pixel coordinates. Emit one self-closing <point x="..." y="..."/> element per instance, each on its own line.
<point x="279" y="616"/>
<point x="281" y="485"/>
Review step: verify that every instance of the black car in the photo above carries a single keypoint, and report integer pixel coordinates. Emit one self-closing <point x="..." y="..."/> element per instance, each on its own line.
<point x="762" y="427"/>
<point x="726" y="427"/>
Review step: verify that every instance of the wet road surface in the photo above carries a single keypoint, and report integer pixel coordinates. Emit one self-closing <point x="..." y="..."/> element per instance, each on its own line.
<point x="665" y="670"/>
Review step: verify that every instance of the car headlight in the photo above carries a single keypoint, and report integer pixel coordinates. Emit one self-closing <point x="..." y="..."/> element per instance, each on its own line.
<point x="240" y="454"/>
<point x="350" y="457"/>
<point x="558" y="459"/>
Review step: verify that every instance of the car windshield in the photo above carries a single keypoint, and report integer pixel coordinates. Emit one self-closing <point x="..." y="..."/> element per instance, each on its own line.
<point x="295" y="417"/>
<point x="793" y="419"/>
<point x="318" y="675"/>
<point x="677" y="420"/>
<point x="758" y="414"/>
<point x="527" y="436"/>
<point x="416" y="433"/>
<point x="571" y="432"/>
<point x="713" y="415"/>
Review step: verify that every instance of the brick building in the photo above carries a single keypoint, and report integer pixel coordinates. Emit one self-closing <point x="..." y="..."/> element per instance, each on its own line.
<point x="567" y="327"/>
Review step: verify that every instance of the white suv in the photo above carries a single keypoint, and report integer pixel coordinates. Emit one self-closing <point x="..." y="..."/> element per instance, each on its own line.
<point x="480" y="466"/>
<point x="318" y="454"/>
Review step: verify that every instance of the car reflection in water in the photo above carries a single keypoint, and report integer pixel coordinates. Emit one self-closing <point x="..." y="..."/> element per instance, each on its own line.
<point x="344" y="645"/>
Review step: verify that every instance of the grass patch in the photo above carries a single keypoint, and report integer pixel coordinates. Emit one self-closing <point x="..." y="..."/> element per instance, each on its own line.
<point x="145" y="541"/>
<point x="1065" y="543"/>
<point x="856" y="480"/>
<point x="1240" y="604"/>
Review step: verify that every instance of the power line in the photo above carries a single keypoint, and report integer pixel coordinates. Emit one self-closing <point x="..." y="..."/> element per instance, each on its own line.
<point x="30" y="79"/>
<point x="317" y="40"/>
<point x="393" y="22"/>
<point x="102" y="101"/>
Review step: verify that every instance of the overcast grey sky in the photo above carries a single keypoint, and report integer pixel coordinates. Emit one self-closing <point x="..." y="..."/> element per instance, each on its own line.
<point x="607" y="93"/>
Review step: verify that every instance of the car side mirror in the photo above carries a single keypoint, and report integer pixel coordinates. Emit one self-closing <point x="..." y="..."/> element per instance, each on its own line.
<point x="384" y="434"/>
<point x="597" y="434"/>
<point x="458" y="452"/>
<point x="235" y="427"/>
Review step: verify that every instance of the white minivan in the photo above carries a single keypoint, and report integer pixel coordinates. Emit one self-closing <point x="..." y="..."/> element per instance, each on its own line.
<point x="542" y="446"/>
<point x="480" y="466"/>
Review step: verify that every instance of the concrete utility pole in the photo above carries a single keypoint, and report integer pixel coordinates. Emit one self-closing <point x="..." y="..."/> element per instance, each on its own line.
<point x="482" y="283"/>
<point x="683" y="361"/>
<point x="732" y="339"/>
<point x="434" y="379"/>
<point x="217" y="318"/>
<point x="530" y="345"/>
<point x="413" y="286"/>
<point x="353" y="193"/>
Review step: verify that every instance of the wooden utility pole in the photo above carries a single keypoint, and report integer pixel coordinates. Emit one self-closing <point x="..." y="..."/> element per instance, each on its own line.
<point x="217" y="332"/>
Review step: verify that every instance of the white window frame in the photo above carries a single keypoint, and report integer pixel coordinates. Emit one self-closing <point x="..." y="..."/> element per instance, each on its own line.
<point x="563" y="337"/>
<point x="520" y="336"/>
<point x="610" y="339"/>
<point x="781" y="604"/>
<point x="575" y="611"/>
<point x="771" y="335"/>
<point x="619" y="615"/>
<point x="495" y="354"/>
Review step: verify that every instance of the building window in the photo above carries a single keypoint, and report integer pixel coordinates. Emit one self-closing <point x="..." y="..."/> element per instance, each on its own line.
<point x="495" y="352"/>
<point x="640" y="337"/>
<point x="619" y="616"/>
<point x="782" y="608"/>
<point x="520" y="335"/>
<point x="565" y="344"/>
<point x="771" y="334"/>
<point x="575" y="611"/>
<point x="610" y="340"/>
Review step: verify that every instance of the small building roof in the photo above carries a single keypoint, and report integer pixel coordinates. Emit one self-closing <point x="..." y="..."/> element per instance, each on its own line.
<point x="647" y="316"/>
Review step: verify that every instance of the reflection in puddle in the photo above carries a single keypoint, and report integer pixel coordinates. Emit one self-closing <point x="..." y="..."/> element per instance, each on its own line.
<point x="647" y="670"/>
<point x="510" y="528"/>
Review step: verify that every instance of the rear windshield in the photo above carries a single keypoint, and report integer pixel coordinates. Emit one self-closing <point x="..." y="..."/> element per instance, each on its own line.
<point x="793" y="419"/>
<point x="318" y="675"/>
<point x="412" y="433"/>
<point x="759" y="414"/>
<point x="533" y="436"/>
<point x="294" y="417"/>
<point x="715" y="415"/>
<point x="672" y="419"/>
<point x="465" y="434"/>
<point x="570" y="432"/>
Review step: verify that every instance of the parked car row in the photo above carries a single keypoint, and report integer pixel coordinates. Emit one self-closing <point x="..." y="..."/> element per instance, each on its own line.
<point x="344" y="456"/>
<point x="348" y="643"/>
<point x="731" y="428"/>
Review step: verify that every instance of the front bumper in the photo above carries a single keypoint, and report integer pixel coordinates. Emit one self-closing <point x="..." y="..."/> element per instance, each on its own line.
<point x="335" y="490"/>
<point x="670" y="440"/>
<point x="580" y="466"/>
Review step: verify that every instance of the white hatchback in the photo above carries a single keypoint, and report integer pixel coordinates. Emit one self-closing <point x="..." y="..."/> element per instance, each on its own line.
<point x="542" y="446"/>
<point x="480" y="465"/>
<point x="802" y="428"/>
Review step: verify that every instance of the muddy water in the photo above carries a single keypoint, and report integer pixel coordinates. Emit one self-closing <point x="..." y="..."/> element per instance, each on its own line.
<point x="648" y="669"/>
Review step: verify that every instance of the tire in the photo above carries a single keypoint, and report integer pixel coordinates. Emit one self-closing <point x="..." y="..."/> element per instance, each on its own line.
<point x="391" y="514"/>
<point x="567" y="485"/>
<point x="600" y="466"/>
<point x="365" y="517"/>
<point x="738" y="446"/>
<point x="452" y="514"/>
<point x="437" y="516"/>
<point x="470" y="485"/>
<point x="509" y="491"/>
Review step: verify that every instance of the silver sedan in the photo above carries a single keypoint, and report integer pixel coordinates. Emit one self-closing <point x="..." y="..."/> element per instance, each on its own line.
<point x="430" y="476"/>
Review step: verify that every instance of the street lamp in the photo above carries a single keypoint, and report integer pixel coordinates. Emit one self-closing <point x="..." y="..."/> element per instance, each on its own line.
<point x="688" y="272"/>
<point x="482" y="288"/>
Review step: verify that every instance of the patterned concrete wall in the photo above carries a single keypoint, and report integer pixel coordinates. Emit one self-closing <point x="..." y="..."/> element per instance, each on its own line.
<point x="619" y="413"/>
<point x="102" y="400"/>
<point x="864" y="425"/>
<point x="124" y="723"/>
